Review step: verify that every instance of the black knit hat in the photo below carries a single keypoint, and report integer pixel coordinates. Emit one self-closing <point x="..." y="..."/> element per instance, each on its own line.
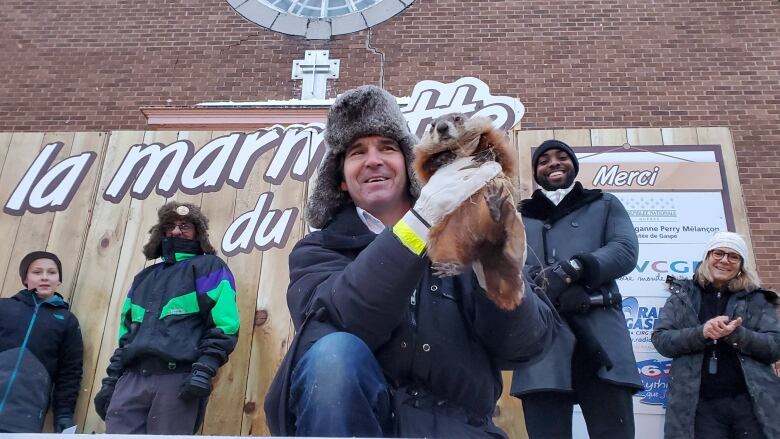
<point x="554" y="144"/>
<point x="34" y="256"/>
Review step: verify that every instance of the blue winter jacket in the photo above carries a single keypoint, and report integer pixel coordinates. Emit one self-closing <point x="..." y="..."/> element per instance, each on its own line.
<point x="40" y="348"/>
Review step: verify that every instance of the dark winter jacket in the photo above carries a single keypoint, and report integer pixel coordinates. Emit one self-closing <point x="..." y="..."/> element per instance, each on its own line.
<point x="595" y="227"/>
<point x="678" y="334"/>
<point x="182" y="310"/>
<point x="40" y="347"/>
<point x="440" y="335"/>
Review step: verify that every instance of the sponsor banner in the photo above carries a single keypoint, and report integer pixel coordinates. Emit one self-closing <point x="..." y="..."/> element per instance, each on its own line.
<point x="294" y="152"/>
<point x="641" y="314"/>
<point x="654" y="371"/>
<point x="655" y="263"/>
<point x="655" y="176"/>
<point x="677" y="198"/>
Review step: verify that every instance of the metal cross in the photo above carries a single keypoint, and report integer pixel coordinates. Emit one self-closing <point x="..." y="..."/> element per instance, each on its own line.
<point x="315" y="69"/>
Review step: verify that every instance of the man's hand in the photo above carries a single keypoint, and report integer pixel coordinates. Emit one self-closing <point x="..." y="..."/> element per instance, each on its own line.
<point x="573" y="300"/>
<point x="720" y="326"/>
<point x="63" y="422"/>
<point x="556" y="278"/>
<point x="198" y="384"/>
<point x="103" y="397"/>
<point x="451" y="185"/>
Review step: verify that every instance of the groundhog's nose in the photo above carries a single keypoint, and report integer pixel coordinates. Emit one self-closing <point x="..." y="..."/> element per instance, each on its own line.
<point x="442" y="127"/>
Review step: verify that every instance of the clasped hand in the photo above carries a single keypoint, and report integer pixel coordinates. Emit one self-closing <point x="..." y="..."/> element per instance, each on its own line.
<point x="720" y="326"/>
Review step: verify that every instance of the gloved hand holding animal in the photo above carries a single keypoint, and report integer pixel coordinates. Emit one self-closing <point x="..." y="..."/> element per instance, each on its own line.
<point x="485" y="228"/>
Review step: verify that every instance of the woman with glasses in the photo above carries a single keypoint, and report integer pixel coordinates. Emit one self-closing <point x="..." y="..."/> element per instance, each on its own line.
<point x="721" y="330"/>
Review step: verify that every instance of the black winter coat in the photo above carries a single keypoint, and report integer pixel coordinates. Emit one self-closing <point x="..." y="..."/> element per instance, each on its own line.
<point x="40" y="347"/>
<point x="182" y="310"/>
<point x="442" y="335"/>
<point x="678" y="334"/>
<point x="595" y="227"/>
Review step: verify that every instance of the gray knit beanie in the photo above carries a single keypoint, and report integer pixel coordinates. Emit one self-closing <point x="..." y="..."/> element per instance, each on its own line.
<point x="364" y="111"/>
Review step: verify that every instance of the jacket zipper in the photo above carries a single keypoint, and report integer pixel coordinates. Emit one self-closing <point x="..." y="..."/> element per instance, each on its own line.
<point x="21" y="354"/>
<point x="712" y="367"/>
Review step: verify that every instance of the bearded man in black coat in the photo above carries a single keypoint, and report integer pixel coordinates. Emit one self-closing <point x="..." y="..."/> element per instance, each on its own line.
<point x="383" y="347"/>
<point x="579" y="242"/>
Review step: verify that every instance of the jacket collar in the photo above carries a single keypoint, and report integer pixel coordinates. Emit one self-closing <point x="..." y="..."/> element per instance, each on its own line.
<point x="540" y="207"/>
<point x="28" y="297"/>
<point x="179" y="249"/>
<point x="347" y="231"/>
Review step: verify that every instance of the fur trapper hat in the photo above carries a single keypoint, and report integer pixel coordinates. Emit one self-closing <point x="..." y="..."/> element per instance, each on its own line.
<point x="364" y="111"/>
<point x="170" y="213"/>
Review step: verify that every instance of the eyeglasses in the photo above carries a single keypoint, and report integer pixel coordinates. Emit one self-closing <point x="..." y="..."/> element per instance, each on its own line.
<point x="183" y="227"/>
<point x="731" y="257"/>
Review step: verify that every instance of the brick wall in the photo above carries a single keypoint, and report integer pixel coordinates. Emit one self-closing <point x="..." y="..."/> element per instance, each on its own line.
<point x="75" y="65"/>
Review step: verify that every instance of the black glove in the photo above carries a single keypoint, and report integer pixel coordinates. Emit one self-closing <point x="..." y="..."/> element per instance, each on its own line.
<point x="198" y="384"/>
<point x="62" y="422"/>
<point x="574" y="299"/>
<point x="608" y="299"/>
<point x="103" y="397"/>
<point x="556" y="278"/>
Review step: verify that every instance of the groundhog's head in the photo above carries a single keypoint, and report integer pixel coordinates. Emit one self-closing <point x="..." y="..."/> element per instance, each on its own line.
<point x="454" y="132"/>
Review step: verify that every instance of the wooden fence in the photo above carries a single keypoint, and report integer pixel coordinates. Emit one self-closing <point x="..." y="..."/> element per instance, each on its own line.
<point x="100" y="241"/>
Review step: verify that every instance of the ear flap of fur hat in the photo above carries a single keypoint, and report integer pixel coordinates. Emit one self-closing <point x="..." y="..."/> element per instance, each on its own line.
<point x="171" y="213"/>
<point x="364" y="111"/>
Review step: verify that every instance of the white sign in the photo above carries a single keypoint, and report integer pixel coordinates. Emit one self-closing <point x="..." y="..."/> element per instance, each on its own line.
<point x="296" y="150"/>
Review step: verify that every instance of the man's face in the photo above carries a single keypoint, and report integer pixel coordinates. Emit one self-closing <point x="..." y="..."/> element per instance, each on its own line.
<point x="44" y="277"/>
<point x="180" y="229"/>
<point x="555" y="170"/>
<point x="375" y="175"/>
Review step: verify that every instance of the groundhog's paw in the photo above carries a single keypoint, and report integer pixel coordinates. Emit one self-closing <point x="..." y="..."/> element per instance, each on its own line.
<point x="445" y="269"/>
<point x="495" y="200"/>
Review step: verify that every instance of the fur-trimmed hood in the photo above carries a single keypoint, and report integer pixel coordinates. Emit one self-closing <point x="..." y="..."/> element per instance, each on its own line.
<point x="170" y="213"/>
<point x="363" y="111"/>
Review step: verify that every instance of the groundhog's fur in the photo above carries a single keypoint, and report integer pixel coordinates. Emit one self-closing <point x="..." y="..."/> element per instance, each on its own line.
<point x="486" y="227"/>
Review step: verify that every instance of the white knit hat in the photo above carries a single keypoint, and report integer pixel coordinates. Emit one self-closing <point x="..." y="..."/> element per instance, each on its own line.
<point x="730" y="240"/>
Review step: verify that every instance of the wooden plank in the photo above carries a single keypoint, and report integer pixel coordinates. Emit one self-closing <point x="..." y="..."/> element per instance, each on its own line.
<point x="24" y="147"/>
<point x="271" y="340"/>
<point x="141" y="216"/>
<point x="608" y="137"/>
<point x="227" y="402"/>
<point x="198" y="139"/>
<point x="218" y="208"/>
<point x="574" y="138"/>
<point x="525" y="140"/>
<point x="69" y="229"/>
<point x="644" y="136"/>
<point x="34" y="228"/>
<point x="5" y="143"/>
<point x="679" y="136"/>
<point x="93" y="293"/>
<point x="722" y="136"/>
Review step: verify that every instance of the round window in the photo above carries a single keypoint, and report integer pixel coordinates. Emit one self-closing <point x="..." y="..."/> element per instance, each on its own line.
<point x="318" y="19"/>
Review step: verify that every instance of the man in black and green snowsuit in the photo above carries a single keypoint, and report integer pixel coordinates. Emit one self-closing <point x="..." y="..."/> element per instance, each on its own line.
<point x="178" y="325"/>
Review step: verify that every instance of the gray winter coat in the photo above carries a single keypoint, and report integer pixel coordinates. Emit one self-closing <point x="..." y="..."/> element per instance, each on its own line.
<point x="678" y="334"/>
<point x="595" y="227"/>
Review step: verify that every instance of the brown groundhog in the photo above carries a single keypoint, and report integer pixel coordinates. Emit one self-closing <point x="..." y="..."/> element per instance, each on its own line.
<point x="486" y="227"/>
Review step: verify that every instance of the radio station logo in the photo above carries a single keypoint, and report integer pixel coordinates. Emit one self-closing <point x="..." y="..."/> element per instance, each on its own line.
<point x="640" y="321"/>
<point x="654" y="374"/>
